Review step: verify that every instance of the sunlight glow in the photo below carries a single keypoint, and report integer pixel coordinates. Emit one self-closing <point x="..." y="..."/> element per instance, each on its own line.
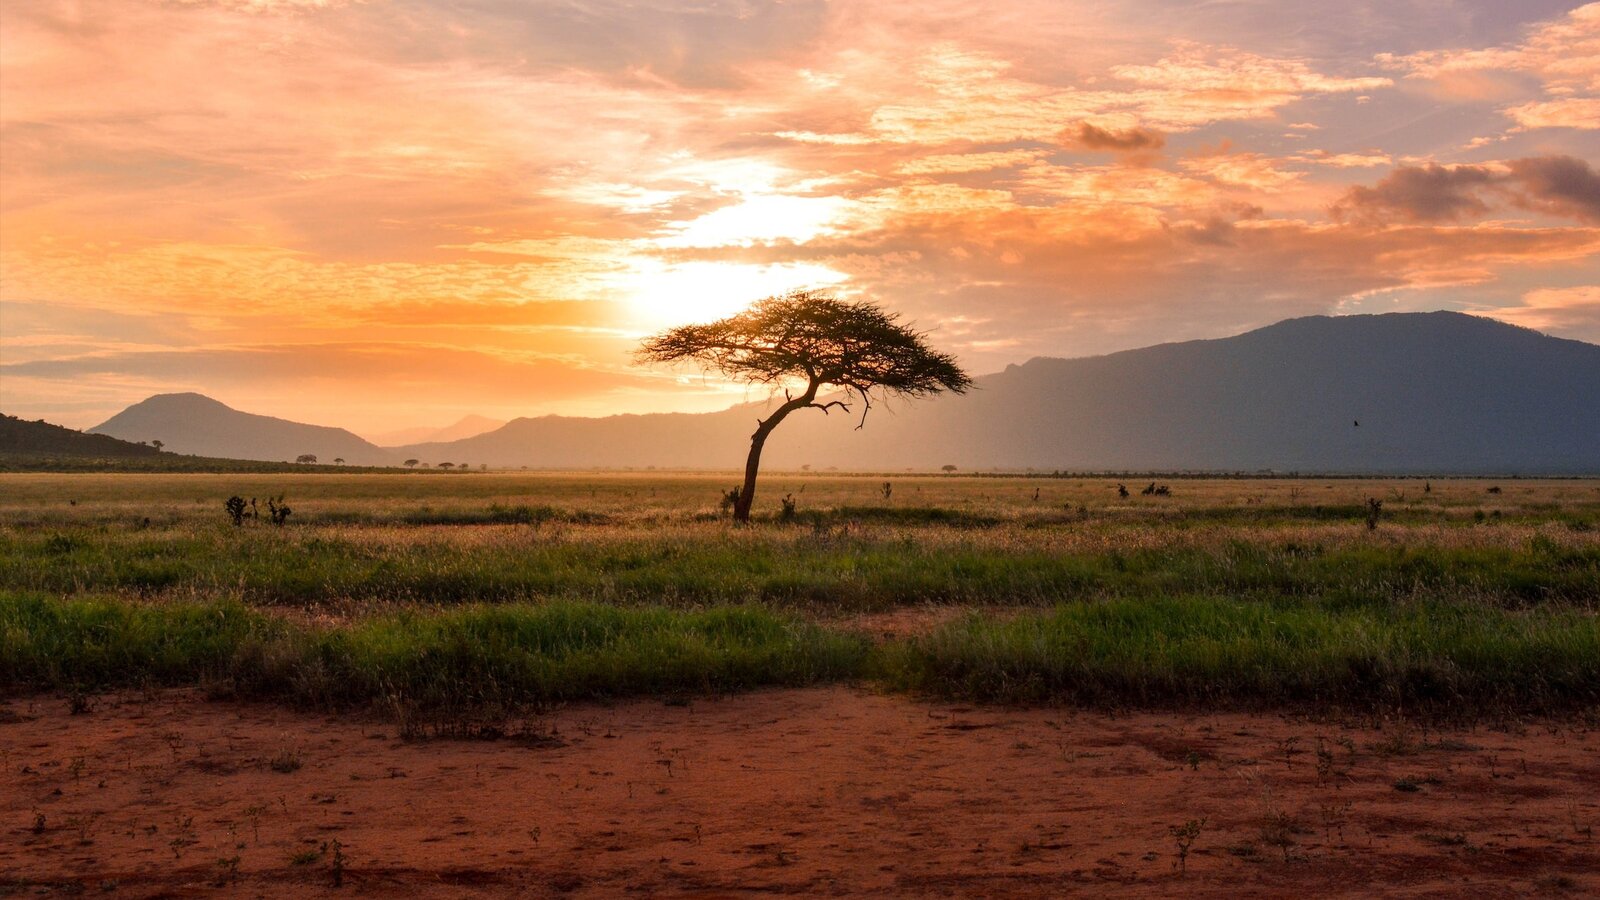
<point x="665" y="294"/>
<point x="760" y="220"/>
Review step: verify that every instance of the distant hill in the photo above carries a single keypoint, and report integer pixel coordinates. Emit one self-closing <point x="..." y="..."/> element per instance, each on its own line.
<point x="43" y="447"/>
<point x="198" y="425"/>
<point x="44" y="439"/>
<point x="1405" y="392"/>
<point x="467" y="426"/>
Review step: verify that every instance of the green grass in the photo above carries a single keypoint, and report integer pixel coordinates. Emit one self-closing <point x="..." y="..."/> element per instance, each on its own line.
<point x="458" y="658"/>
<point x="794" y="568"/>
<point x="1427" y="658"/>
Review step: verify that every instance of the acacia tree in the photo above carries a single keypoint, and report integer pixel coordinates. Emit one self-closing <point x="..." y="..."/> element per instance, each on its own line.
<point x="855" y="348"/>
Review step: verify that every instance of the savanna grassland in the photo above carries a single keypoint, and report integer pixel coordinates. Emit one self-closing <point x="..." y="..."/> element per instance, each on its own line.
<point x="469" y="605"/>
<point x="1460" y="596"/>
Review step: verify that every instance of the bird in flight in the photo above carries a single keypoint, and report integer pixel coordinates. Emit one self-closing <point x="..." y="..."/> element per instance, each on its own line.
<point x="1357" y="423"/>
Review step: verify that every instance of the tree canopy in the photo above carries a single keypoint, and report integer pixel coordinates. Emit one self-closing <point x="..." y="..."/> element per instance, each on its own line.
<point x="816" y="339"/>
<point x="812" y="336"/>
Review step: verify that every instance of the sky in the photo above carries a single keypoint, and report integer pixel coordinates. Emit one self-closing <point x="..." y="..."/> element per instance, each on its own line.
<point x="391" y="213"/>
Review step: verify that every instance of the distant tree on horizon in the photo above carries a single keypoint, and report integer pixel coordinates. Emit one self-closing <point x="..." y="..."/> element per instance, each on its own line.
<point x="814" y="338"/>
<point x="445" y="465"/>
<point x="411" y="463"/>
<point x="158" y="445"/>
<point x="338" y="460"/>
<point x="947" y="469"/>
<point x="306" y="458"/>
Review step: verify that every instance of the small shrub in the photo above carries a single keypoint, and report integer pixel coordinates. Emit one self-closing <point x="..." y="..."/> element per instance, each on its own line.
<point x="1184" y="837"/>
<point x="730" y="499"/>
<point x="235" y="507"/>
<point x="285" y="761"/>
<point x="277" y="510"/>
<point x="1374" y="513"/>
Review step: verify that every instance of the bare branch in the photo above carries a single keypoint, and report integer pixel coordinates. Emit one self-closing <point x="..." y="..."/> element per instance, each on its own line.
<point x="830" y="404"/>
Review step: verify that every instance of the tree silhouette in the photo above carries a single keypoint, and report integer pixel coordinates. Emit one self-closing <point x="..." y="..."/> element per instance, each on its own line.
<point x="338" y="460"/>
<point x="447" y="465"/>
<point x="814" y="338"/>
<point x="411" y="463"/>
<point x="306" y="458"/>
<point x="158" y="445"/>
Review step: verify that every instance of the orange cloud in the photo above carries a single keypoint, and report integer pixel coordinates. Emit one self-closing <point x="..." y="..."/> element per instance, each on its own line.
<point x="1564" y="55"/>
<point x="1572" y="311"/>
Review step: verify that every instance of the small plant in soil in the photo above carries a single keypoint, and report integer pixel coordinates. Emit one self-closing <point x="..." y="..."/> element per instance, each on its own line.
<point x="1183" y="837"/>
<point x="227" y="870"/>
<point x="285" y="761"/>
<point x="336" y="864"/>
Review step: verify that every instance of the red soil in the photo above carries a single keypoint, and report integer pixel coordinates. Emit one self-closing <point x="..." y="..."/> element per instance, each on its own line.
<point x="827" y="791"/>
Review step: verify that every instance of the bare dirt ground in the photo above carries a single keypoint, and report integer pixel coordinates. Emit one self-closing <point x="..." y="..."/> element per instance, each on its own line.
<point x="825" y="791"/>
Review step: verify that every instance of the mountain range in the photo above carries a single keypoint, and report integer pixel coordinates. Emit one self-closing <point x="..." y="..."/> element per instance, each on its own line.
<point x="1431" y="393"/>
<point x="465" y="427"/>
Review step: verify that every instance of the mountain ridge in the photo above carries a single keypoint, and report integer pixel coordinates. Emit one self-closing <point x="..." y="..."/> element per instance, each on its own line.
<point x="194" y="424"/>
<point x="1438" y="392"/>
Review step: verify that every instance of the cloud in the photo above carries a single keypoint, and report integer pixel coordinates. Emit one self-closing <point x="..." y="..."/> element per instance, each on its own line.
<point x="954" y="163"/>
<point x="1563" y="185"/>
<point x="1572" y="112"/>
<point x="1570" y="312"/>
<point x="1344" y="160"/>
<point x="1556" y="185"/>
<point x="1431" y="193"/>
<point x="1133" y="139"/>
<point x="1247" y="170"/>
<point x="1563" y="55"/>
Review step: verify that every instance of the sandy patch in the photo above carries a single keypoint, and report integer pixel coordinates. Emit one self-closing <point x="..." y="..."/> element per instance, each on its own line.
<point x="825" y="791"/>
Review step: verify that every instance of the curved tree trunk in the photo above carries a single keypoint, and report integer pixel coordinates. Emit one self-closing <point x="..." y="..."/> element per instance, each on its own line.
<point x="752" y="463"/>
<point x="747" y="493"/>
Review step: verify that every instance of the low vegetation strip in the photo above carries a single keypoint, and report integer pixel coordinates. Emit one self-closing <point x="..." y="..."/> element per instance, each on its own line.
<point x="1425" y="658"/>
<point x="831" y="571"/>
<point x="1438" y="658"/>
<point x="462" y="657"/>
